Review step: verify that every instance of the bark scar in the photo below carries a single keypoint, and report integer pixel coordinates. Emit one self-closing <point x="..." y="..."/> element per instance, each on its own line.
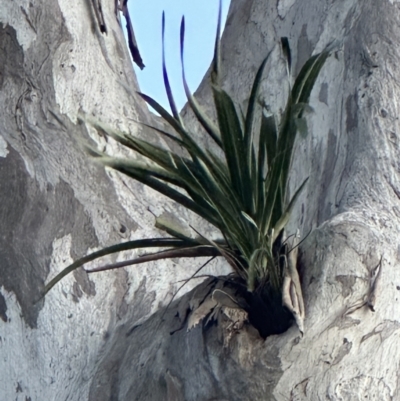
<point x="99" y="15"/>
<point x="28" y="19"/>
<point x="369" y="299"/>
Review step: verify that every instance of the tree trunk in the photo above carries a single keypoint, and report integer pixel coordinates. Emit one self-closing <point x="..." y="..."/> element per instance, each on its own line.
<point x="108" y="336"/>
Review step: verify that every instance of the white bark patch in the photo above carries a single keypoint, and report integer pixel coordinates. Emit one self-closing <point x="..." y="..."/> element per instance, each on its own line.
<point x="83" y="80"/>
<point x="16" y="14"/>
<point x="61" y="253"/>
<point x="69" y="337"/>
<point x="58" y="359"/>
<point x="284" y="6"/>
<point x="3" y="147"/>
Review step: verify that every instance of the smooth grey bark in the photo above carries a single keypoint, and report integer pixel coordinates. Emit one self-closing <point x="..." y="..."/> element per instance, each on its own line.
<point x="90" y="338"/>
<point x="56" y="205"/>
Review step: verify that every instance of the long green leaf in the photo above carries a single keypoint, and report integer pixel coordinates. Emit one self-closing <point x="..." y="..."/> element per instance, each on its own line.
<point x="195" y="251"/>
<point x="286" y="215"/>
<point x="308" y="74"/>
<point x="163" y="112"/>
<point x="297" y="102"/>
<point x="287" y="53"/>
<point x="225" y="202"/>
<point x="165" y="76"/>
<point x="163" y="133"/>
<point x="125" y="246"/>
<point x="266" y="157"/>
<point x="251" y="108"/>
<point x="215" y="72"/>
<point x="280" y="170"/>
<point x="133" y="167"/>
<point x="171" y="227"/>
<point x="190" y="144"/>
<point x="300" y="95"/>
<point x="150" y="181"/>
<point x="202" y="117"/>
<point x="233" y="143"/>
<point x="228" y="224"/>
<point x="222" y="178"/>
<point x="269" y="138"/>
<point x="155" y="153"/>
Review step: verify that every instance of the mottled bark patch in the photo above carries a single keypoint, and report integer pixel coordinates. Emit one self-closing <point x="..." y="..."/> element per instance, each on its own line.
<point x="323" y="93"/>
<point x="31" y="219"/>
<point x="351" y="113"/>
<point x="343" y="350"/>
<point x="347" y="283"/>
<point x="11" y="56"/>
<point x="327" y="176"/>
<point x="362" y="387"/>
<point x="83" y="284"/>
<point x="304" y="49"/>
<point x="384" y="330"/>
<point x="3" y="308"/>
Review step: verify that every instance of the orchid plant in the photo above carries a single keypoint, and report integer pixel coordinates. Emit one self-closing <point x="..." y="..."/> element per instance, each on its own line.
<point x="243" y="194"/>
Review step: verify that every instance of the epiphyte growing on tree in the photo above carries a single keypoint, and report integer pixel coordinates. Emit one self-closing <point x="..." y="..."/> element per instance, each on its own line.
<point x="243" y="194"/>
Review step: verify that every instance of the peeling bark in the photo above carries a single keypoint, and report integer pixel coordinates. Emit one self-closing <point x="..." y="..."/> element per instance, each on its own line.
<point x="107" y="336"/>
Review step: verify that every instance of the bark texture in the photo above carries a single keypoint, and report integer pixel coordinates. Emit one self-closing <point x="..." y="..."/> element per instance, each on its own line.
<point x="56" y="205"/>
<point x="89" y="339"/>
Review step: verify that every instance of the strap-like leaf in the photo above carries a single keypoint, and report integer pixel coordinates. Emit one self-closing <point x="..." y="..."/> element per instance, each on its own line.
<point x="215" y="72"/>
<point x="156" y="184"/>
<point x="155" y="153"/>
<point x="133" y="167"/>
<point x="204" y="120"/>
<point x="163" y="112"/>
<point x="283" y="157"/>
<point x="268" y="139"/>
<point x="228" y="221"/>
<point x="125" y="246"/>
<point x="287" y="54"/>
<point x="165" y="76"/>
<point x="164" y="133"/>
<point x="171" y="227"/>
<point x="285" y="216"/>
<point x="308" y="74"/>
<point x="190" y="144"/>
<point x="233" y="143"/>
<point x="253" y="103"/>
<point x="195" y="251"/>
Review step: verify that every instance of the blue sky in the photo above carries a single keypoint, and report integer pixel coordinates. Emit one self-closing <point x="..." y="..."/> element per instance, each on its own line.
<point x="200" y="21"/>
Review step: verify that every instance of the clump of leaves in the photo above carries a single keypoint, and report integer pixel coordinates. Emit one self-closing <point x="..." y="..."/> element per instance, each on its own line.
<point x="243" y="194"/>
